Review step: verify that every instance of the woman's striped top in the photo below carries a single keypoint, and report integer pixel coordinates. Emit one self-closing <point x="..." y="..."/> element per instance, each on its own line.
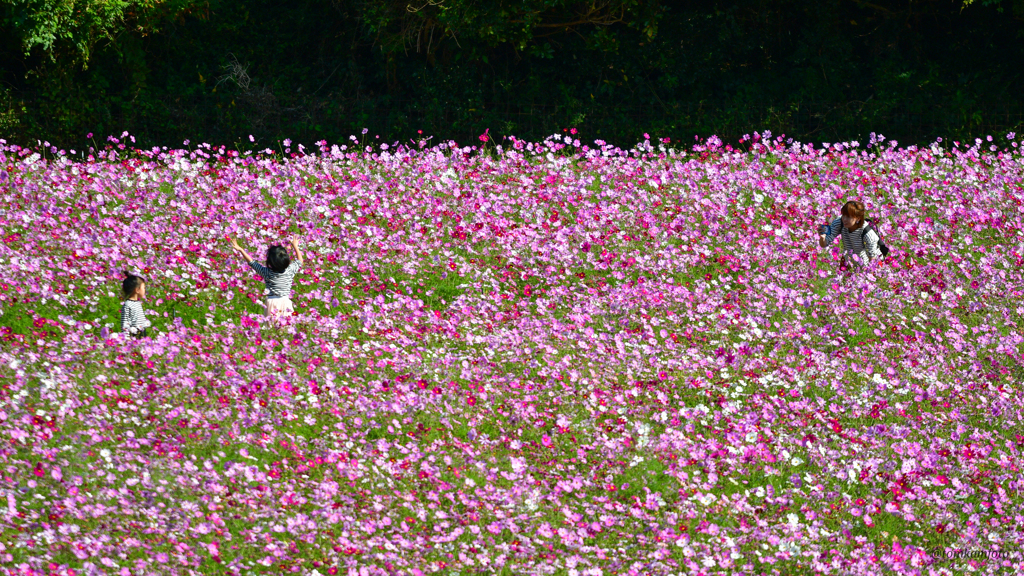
<point x="862" y="242"/>
<point x="133" y="319"/>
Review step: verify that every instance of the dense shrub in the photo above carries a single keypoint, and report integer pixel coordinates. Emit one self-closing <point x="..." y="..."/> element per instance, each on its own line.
<point x="219" y="71"/>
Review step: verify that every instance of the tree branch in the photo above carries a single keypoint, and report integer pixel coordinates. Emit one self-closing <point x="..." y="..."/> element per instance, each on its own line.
<point x="876" y="7"/>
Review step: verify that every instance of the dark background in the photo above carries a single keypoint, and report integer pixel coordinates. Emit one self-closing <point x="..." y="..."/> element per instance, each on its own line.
<point x="218" y="71"/>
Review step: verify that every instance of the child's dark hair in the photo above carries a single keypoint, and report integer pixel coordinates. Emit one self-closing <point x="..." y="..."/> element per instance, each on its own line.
<point x="130" y="285"/>
<point x="277" y="259"/>
<point x="854" y="209"/>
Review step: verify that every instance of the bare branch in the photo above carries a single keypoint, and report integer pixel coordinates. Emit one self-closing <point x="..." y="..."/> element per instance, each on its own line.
<point x="410" y="9"/>
<point x="873" y="6"/>
<point x="237" y="73"/>
<point x="597" y="14"/>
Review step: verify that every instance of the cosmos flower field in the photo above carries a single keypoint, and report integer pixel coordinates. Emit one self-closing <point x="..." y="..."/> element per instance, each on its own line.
<point x="544" y="358"/>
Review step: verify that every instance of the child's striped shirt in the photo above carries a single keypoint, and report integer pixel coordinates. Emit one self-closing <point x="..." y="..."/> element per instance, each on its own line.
<point x="279" y="284"/>
<point x="862" y="242"/>
<point x="133" y="319"/>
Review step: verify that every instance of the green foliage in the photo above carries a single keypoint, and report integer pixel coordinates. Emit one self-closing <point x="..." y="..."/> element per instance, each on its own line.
<point x="1016" y="6"/>
<point x="69" y="29"/>
<point x="181" y="69"/>
<point x="399" y="25"/>
<point x="8" y="115"/>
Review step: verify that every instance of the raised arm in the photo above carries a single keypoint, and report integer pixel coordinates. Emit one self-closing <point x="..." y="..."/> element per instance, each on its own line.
<point x="240" y="251"/>
<point x="834" y="227"/>
<point x="295" y="249"/>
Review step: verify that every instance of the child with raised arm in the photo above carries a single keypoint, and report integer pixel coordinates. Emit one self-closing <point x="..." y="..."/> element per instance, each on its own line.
<point x="278" y="274"/>
<point x="859" y="239"/>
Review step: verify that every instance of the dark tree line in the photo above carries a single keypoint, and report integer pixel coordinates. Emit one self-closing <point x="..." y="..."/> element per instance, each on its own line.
<point x="219" y="71"/>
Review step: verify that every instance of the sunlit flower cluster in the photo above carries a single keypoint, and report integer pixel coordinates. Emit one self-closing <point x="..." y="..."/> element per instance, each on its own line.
<point x="527" y="358"/>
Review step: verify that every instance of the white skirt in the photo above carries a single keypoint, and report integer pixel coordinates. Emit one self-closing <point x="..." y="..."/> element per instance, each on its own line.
<point x="279" y="307"/>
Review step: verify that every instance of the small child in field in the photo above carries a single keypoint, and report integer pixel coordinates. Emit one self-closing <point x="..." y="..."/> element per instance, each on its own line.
<point x="859" y="238"/>
<point x="133" y="318"/>
<point x="278" y="274"/>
